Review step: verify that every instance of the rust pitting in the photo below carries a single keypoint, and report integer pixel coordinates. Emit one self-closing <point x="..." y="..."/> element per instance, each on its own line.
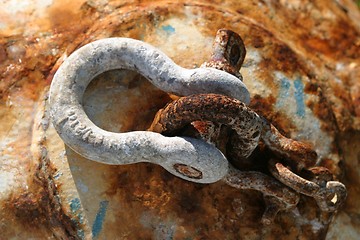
<point x="252" y="201"/>
<point x="340" y="41"/>
<point x="40" y="204"/>
<point x="287" y="59"/>
<point x="321" y="108"/>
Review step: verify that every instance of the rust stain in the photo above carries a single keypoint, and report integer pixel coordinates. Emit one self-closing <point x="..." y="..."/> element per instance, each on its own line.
<point x="28" y="60"/>
<point x="68" y="10"/>
<point x="321" y="106"/>
<point x="151" y="189"/>
<point x="198" y="211"/>
<point x="257" y="40"/>
<point x="28" y="70"/>
<point x="39" y="205"/>
<point x="339" y="42"/>
<point x="265" y="107"/>
<point x="287" y="59"/>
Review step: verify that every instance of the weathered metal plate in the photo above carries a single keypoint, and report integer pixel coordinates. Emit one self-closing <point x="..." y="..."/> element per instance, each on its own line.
<point x="303" y="71"/>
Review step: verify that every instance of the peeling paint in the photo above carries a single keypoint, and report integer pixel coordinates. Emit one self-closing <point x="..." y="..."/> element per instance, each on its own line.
<point x="250" y="72"/>
<point x="286" y="90"/>
<point x="164" y="229"/>
<point x="58" y="175"/>
<point x="6" y="181"/>
<point x="187" y="39"/>
<point x="141" y="187"/>
<point x="292" y="94"/>
<point x="75" y="205"/>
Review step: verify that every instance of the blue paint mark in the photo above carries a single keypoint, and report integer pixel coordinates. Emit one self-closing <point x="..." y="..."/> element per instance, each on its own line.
<point x="299" y="97"/>
<point x="284" y="91"/>
<point x="168" y="29"/>
<point x="75" y="205"/>
<point x="285" y="87"/>
<point x="99" y="219"/>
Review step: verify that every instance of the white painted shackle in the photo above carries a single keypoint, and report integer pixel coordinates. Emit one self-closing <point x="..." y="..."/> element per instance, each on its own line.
<point x="188" y="158"/>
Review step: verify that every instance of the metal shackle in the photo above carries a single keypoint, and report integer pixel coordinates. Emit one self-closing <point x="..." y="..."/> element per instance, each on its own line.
<point x="188" y="158"/>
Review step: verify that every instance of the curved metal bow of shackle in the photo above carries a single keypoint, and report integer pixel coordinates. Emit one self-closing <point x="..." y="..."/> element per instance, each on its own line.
<point x="188" y="158"/>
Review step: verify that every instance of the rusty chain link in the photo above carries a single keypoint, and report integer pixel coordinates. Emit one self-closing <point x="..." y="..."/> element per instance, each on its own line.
<point x="215" y="104"/>
<point x="206" y="115"/>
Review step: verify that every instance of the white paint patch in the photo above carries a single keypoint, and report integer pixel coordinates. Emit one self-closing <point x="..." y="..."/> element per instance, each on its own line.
<point x="250" y="72"/>
<point x="17" y="6"/>
<point x="19" y="16"/>
<point x="339" y="66"/>
<point x="176" y="35"/>
<point x="6" y="181"/>
<point x="309" y="126"/>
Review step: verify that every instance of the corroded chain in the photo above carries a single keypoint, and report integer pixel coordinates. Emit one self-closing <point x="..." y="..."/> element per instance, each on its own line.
<point x="206" y="116"/>
<point x="220" y="100"/>
<point x="249" y="128"/>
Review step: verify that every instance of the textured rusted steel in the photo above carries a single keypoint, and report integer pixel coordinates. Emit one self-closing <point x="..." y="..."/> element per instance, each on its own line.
<point x="249" y="129"/>
<point x="330" y="195"/>
<point x="228" y="52"/>
<point x="302" y="69"/>
<point x="232" y="113"/>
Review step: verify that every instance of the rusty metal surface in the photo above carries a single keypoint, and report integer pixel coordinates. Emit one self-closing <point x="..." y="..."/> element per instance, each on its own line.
<point x="303" y="71"/>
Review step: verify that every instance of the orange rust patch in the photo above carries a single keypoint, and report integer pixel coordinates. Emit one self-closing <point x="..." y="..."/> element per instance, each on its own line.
<point x="316" y="44"/>
<point x="321" y="107"/>
<point x="344" y="95"/>
<point x="287" y="60"/>
<point x="28" y="69"/>
<point x="150" y="189"/>
<point x="69" y="10"/>
<point x="39" y="205"/>
<point x="231" y="209"/>
<point x="340" y="42"/>
<point x="205" y="211"/>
